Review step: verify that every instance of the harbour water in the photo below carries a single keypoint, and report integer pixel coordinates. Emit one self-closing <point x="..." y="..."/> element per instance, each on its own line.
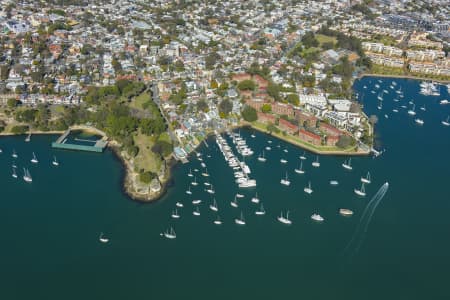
<point x="50" y="228"/>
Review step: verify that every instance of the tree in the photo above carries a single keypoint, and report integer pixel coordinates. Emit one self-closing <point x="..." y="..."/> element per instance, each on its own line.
<point x="345" y="141"/>
<point x="12" y="102"/>
<point x="266" y="108"/>
<point x="272" y="128"/>
<point x="214" y="84"/>
<point x="249" y="114"/>
<point x="225" y="107"/>
<point x="247" y="85"/>
<point x="147" y="177"/>
<point x="293" y="99"/>
<point x="273" y="90"/>
<point x="309" y="40"/>
<point x="202" y="105"/>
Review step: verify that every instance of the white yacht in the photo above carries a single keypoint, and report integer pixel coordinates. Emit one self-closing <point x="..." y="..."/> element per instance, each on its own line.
<point x="317" y="217"/>
<point x="300" y="169"/>
<point x="285" y="150"/>
<point x="211" y="189"/>
<point x="189" y="191"/>
<point x="303" y="157"/>
<point x="366" y="179"/>
<point x="444" y="102"/>
<point x="412" y="112"/>
<point x="170" y="234"/>
<point x="361" y="192"/>
<point x="34" y="160"/>
<point x="423" y="108"/>
<point x="285" y="181"/>
<point x="196" y="201"/>
<point x="283" y="161"/>
<point x="14" y="155"/>
<point x="347" y="164"/>
<point x="316" y="163"/>
<point x="284" y="220"/>
<point x="261" y="157"/>
<point x="345" y="212"/>
<point x="255" y="199"/>
<point x="190" y="173"/>
<point x="217" y="221"/>
<point x="14" y="174"/>
<point x="268" y="148"/>
<point x="240" y="220"/>
<point x="102" y="238"/>
<point x="55" y="162"/>
<point x="234" y="203"/>
<point x="308" y="188"/>
<point x="334" y="182"/>
<point x="213" y="206"/>
<point x="260" y="211"/>
<point x="239" y="195"/>
<point x="419" y="121"/>
<point x="179" y="204"/>
<point x="203" y="165"/>
<point x="194" y="183"/>
<point x="253" y="136"/>
<point x="175" y="214"/>
<point x="395" y="110"/>
<point x="446" y="122"/>
<point x="196" y="211"/>
<point x="27" y="175"/>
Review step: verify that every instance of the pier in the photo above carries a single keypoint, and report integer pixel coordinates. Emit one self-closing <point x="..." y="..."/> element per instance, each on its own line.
<point x="63" y="143"/>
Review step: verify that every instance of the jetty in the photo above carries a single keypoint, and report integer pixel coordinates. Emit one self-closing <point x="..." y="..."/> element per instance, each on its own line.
<point x="80" y="144"/>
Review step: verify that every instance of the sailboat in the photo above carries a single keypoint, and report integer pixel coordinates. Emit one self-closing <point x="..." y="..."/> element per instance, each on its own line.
<point x="261" y="158"/>
<point x="240" y="220"/>
<point x="211" y="189"/>
<point x="255" y="199"/>
<point x="189" y="191"/>
<point x="446" y="122"/>
<point x="196" y="201"/>
<point x="170" y="234"/>
<point x="303" y="157"/>
<point x="55" y="162"/>
<point x="217" y="221"/>
<point x="285" y="150"/>
<point x="190" y="173"/>
<point x="195" y="183"/>
<point x="205" y="173"/>
<point x="28" y="138"/>
<point x="362" y="191"/>
<point x="308" y="189"/>
<point x="213" y="206"/>
<point x="175" y="214"/>
<point x="260" y="211"/>
<point x="234" y="202"/>
<point x="284" y="220"/>
<point x="412" y="111"/>
<point x="196" y="211"/>
<point x="423" y="108"/>
<point x="27" y="175"/>
<point x="285" y="181"/>
<point x="34" y="160"/>
<point x="366" y="179"/>
<point x="179" y="204"/>
<point x="317" y="217"/>
<point x="347" y="164"/>
<point x="283" y="161"/>
<point x="419" y="121"/>
<point x="300" y="169"/>
<point x="380" y="96"/>
<point x="316" y="163"/>
<point x="14" y="155"/>
<point x="14" y="174"/>
<point x="103" y="239"/>
<point x="380" y="105"/>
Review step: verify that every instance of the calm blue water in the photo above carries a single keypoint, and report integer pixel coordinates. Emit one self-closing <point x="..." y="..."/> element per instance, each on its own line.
<point x="50" y="228"/>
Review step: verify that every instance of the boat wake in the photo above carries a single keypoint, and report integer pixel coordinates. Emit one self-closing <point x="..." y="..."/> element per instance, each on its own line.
<point x="360" y="233"/>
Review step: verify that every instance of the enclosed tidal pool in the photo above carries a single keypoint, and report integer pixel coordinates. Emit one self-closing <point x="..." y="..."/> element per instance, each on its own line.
<point x="50" y="228"/>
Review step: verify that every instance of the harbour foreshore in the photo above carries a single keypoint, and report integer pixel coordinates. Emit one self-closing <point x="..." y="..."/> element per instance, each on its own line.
<point x="362" y="75"/>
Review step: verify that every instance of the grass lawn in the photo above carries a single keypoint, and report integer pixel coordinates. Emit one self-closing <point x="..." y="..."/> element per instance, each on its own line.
<point x="165" y="137"/>
<point x="325" y="39"/>
<point x="146" y="159"/>
<point x="139" y="100"/>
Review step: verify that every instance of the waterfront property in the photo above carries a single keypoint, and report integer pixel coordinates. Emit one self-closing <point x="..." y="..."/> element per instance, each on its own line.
<point x="69" y="142"/>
